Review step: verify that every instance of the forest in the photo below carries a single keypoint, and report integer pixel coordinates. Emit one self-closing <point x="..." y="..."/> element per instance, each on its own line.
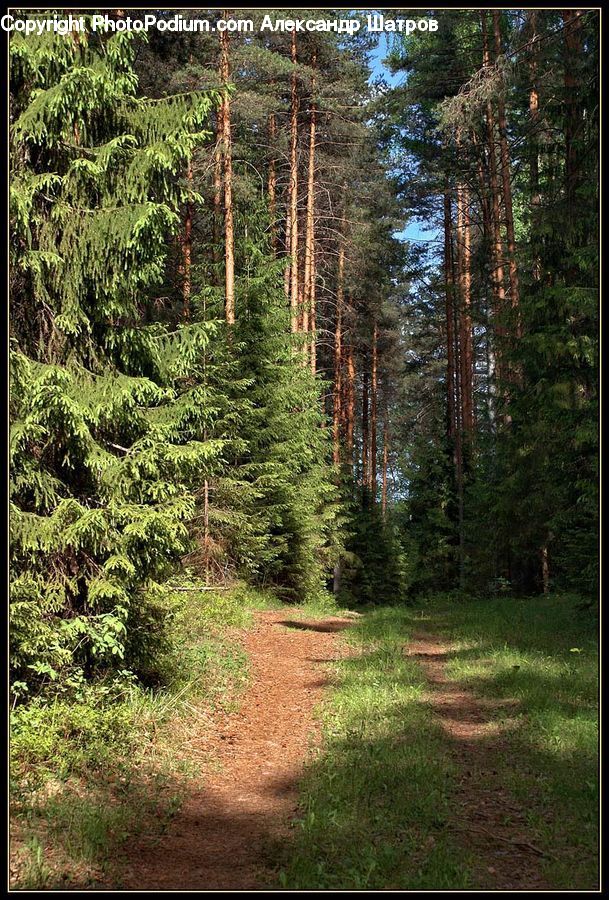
<point x="304" y="451"/>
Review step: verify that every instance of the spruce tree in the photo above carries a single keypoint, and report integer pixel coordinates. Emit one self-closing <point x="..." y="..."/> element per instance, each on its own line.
<point x="107" y="414"/>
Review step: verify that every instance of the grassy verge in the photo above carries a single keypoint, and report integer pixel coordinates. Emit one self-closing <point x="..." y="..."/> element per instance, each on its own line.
<point x="377" y="798"/>
<point x="374" y="800"/>
<point x="542" y="652"/>
<point x="91" y="771"/>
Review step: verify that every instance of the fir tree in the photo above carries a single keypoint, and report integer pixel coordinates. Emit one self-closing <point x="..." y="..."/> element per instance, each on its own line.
<point x="107" y="413"/>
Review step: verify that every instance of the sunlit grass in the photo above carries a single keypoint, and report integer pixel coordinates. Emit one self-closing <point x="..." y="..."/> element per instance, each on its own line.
<point x="374" y="805"/>
<point x="377" y="799"/>
<point x="541" y="653"/>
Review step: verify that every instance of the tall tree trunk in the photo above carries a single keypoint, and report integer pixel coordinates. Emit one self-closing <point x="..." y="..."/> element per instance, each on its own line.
<point x="288" y="242"/>
<point x="450" y="328"/>
<point x="309" y="268"/>
<point x="373" y="421"/>
<point x="293" y="214"/>
<point x="507" y="187"/>
<point x="498" y="279"/>
<point x="336" y="417"/>
<point x="459" y="438"/>
<point x="465" y="321"/>
<point x="454" y="353"/>
<point x="272" y="184"/>
<point x="350" y="403"/>
<point x="227" y="165"/>
<point x="313" y="321"/>
<point x="385" y="463"/>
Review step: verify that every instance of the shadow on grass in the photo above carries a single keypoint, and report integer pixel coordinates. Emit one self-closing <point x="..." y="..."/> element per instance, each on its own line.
<point x="378" y="803"/>
<point x="534" y="666"/>
<point x="73" y="833"/>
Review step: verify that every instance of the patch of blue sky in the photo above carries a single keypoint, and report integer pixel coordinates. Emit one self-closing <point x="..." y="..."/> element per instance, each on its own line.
<point x="416" y="231"/>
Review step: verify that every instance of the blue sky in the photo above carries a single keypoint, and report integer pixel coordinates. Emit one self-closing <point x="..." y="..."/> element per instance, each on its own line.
<point x="415" y="230"/>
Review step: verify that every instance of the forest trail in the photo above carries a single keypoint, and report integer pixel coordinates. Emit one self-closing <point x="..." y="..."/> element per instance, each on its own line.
<point x="223" y="836"/>
<point x="491" y="825"/>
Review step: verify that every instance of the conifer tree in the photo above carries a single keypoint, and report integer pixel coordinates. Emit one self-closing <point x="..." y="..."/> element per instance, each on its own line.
<point x="107" y="414"/>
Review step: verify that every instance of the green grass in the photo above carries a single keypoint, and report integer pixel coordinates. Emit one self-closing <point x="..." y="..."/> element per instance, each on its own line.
<point x="90" y="771"/>
<point x="374" y="803"/>
<point x="377" y="799"/>
<point x="543" y="653"/>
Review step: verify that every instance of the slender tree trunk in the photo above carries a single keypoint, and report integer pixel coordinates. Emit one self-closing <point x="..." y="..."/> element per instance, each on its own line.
<point x="459" y="440"/>
<point x="313" y="322"/>
<point x="227" y="166"/>
<point x="338" y="354"/>
<point x="206" y="528"/>
<point x="535" y="206"/>
<point x="293" y="215"/>
<point x="545" y="569"/>
<point x="507" y="188"/>
<point x="385" y="463"/>
<point x="309" y="269"/>
<point x="465" y="324"/>
<point x="454" y="352"/>
<point x="450" y="330"/>
<point x="373" y="417"/>
<point x="272" y="184"/>
<point x="288" y="243"/>
<point x="303" y="313"/>
<point x="498" y="279"/>
<point x="350" y="417"/>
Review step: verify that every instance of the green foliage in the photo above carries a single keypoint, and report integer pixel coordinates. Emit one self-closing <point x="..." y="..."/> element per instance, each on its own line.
<point x="526" y="509"/>
<point x="93" y="765"/>
<point x="272" y="508"/>
<point x="107" y="419"/>
<point x="377" y="566"/>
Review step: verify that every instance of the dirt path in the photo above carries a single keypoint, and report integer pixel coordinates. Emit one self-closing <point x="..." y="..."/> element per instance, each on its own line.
<point x="223" y="836"/>
<point x="490" y="824"/>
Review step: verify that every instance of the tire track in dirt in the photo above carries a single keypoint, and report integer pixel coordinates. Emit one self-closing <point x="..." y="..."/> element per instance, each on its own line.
<point x="490" y="824"/>
<point x="223" y="836"/>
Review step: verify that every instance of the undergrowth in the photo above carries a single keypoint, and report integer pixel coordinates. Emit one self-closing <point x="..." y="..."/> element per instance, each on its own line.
<point x="94" y="766"/>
